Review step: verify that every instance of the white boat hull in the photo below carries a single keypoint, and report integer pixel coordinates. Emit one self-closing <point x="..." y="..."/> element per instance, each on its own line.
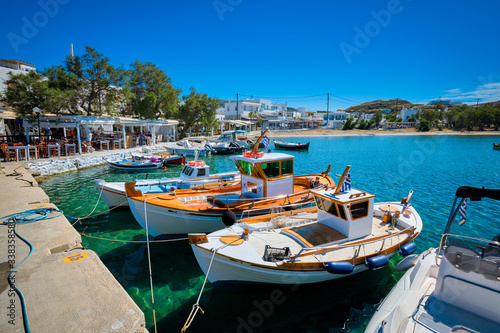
<point x="228" y="274"/>
<point x="164" y="221"/>
<point x="113" y="194"/>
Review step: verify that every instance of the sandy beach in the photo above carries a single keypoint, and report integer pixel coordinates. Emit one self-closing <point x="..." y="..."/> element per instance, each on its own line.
<point x="355" y="132"/>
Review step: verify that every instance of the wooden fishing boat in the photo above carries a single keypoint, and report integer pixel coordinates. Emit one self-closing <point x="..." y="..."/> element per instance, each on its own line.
<point x="194" y="173"/>
<point x="346" y="233"/>
<point x="496" y="146"/>
<point x="452" y="288"/>
<point x="128" y="164"/>
<point x="166" y="159"/>
<point x="291" y="145"/>
<point x="267" y="180"/>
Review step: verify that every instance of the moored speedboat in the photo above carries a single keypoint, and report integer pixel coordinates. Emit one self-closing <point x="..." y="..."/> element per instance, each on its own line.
<point x="346" y="233"/>
<point x="194" y="173"/>
<point x="453" y="288"/>
<point x="267" y="180"/>
<point x="184" y="147"/>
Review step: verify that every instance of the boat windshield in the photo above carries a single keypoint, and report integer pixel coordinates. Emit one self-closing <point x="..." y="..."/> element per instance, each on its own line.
<point x="244" y="167"/>
<point x="330" y="207"/>
<point x="278" y="168"/>
<point x="472" y="254"/>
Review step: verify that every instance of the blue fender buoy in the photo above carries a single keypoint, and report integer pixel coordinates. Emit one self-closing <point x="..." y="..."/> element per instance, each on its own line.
<point x="339" y="267"/>
<point x="407" y="249"/>
<point x="406" y="263"/>
<point x="377" y="261"/>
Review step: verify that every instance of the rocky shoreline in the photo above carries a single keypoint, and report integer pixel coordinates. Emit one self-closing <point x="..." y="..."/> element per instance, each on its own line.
<point x="47" y="167"/>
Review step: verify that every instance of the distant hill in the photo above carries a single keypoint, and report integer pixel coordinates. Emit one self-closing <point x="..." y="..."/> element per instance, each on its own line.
<point x="379" y="105"/>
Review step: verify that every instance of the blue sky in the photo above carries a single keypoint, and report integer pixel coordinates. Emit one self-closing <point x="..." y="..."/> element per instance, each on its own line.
<point x="294" y="51"/>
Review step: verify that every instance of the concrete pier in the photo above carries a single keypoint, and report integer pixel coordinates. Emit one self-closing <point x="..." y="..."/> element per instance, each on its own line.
<point x="66" y="288"/>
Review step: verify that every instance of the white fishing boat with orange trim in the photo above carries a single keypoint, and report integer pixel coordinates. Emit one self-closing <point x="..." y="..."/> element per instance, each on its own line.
<point x="194" y="173"/>
<point x="267" y="180"/>
<point x="346" y="233"/>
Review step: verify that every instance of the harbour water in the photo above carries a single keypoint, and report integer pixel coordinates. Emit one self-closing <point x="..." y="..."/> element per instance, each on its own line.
<point x="387" y="166"/>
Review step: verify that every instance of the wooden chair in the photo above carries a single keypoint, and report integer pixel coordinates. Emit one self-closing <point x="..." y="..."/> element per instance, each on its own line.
<point x="8" y="155"/>
<point x="53" y="151"/>
<point x="62" y="145"/>
<point x="42" y="150"/>
<point x="70" y="149"/>
<point x="87" y="147"/>
<point x="22" y="153"/>
<point x="34" y="153"/>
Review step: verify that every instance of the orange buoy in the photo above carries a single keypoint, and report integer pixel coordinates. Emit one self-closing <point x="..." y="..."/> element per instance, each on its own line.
<point x="198" y="163"/>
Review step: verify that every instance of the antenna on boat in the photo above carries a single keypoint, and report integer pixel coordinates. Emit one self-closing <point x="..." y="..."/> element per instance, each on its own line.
<point x="327" y="171"/>
<point x="195" y="156"/>
<point x="257" y="143"/>
<point x="342" y="178"/>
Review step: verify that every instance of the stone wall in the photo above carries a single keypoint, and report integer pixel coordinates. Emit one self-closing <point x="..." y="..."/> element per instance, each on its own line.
<point x="45" y="167"/>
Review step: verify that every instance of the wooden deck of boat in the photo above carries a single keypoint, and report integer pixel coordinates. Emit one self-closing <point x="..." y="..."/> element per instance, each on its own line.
<point x="316" y="234"/>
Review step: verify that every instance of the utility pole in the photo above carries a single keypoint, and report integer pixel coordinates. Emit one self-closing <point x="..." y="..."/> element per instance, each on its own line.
<point x="477" y="103"/>
<point x="237" y="113"/>
<point x="327" y="108"/>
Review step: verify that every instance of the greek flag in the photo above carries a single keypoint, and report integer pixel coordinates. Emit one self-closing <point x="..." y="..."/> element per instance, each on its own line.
<point x="463" y="212"/>
<point x="346" y="185"/>
<point x="265" y="142"/>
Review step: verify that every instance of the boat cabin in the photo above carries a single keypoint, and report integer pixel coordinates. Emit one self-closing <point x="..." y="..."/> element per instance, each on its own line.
<point x="267" y="175"/>
<point x="230" y="136"/>
<point x="193" y="169"/>
<point x="347" y="212"/>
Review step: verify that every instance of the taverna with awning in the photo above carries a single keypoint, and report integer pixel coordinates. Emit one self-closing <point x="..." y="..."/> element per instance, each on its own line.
<point x="160" y="130"/>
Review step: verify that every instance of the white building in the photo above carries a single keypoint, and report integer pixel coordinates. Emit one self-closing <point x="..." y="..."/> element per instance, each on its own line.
<point x="230" y="112"/>
<point x="336" y="119"/>
<point x="8" y="118"/>
<point x="408" y="113"/>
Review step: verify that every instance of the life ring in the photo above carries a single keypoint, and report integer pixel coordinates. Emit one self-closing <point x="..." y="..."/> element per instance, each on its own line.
<point x="251" y="154"/>
<point x="198" y="163"/>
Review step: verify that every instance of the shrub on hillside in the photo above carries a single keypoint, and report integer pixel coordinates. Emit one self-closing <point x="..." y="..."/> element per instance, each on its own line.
<point x="424" y="125"/>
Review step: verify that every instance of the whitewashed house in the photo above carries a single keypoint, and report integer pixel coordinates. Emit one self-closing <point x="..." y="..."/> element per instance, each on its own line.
<point x="8" y="118"/>
<point x="408" y="113"/>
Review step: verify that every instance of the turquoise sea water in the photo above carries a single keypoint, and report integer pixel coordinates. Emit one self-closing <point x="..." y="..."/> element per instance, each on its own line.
<point x="387" y="166"/>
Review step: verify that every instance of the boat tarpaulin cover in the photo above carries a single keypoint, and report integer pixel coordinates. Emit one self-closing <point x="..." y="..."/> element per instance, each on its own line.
<point x="477" y="193"/>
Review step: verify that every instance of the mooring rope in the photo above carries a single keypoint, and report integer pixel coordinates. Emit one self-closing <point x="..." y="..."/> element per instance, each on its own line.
<point x="196" y="306"/>
<point x="132" y="241"/>
<point x="149" y="263"/>
<point x="27" y="216"/>
<point x="93" y="210"/>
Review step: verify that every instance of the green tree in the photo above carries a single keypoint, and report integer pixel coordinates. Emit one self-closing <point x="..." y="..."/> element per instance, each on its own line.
<point x="424" y="125"/>
<point x="26" y="91"/>
<point x="152" y="95"/>
<point x="198" y="108"/>
<point x="98" y="83"/>
<point x="431" y="115"/>
<point x="256" y="116"/>
<point x="377" y="117"/>
<point x="497" y="117"/>
<point x="487" y="115"/>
